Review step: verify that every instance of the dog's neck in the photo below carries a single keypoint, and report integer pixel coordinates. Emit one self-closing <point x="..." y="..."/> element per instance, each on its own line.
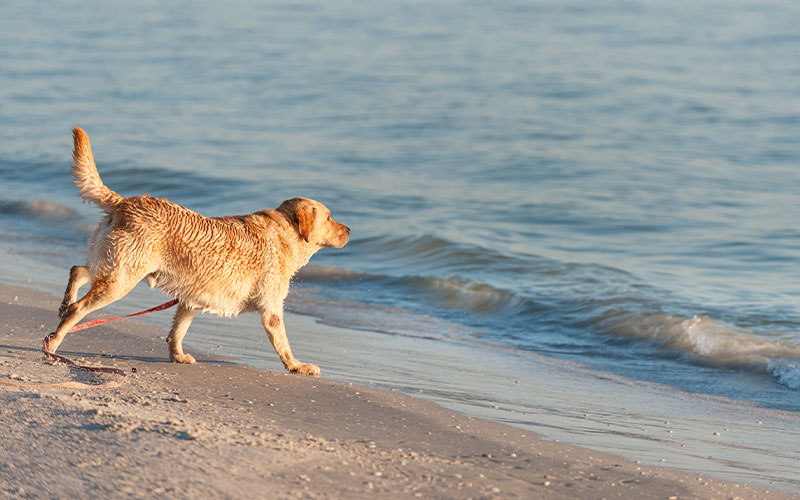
<point x="302" y="250"/>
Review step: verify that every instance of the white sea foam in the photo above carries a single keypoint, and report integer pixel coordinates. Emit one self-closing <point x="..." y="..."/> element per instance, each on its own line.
<point x="786" y="371"/>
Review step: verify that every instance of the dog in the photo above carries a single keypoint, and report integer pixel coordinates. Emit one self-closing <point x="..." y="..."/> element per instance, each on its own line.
<point x="222" y="265"/>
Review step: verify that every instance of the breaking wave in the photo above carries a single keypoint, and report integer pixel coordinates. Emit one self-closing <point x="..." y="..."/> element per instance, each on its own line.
<point x="697" y="339"/>
<point x="38" y="208"/>
<point x="712" y="343"/>
<point x="49" y="214"/>
<point x="452" y="293"/>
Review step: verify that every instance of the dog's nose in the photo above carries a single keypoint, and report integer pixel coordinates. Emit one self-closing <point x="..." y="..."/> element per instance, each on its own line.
<point x="347" y="229"/>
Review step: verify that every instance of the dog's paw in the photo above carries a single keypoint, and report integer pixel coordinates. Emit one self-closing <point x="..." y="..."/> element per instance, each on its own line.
<point x="49" y="346"/>
<point x="306" y="369"/>
<point x="187" y="359"/>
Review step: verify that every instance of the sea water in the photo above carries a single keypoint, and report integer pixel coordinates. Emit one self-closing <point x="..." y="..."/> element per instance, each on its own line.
<point x="582" y="213"/>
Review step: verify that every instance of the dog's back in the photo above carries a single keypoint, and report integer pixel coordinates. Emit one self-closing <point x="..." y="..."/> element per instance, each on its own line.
<point x="213" y="264"/>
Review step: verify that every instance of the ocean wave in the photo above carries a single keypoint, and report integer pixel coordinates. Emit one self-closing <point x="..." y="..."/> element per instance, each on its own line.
<point x="454" y="292"/>
<point x="38" y="208"/>
<point x="711" y="343"/>
<point x="462" y="294"/>
<point x="582" y="302"/>
<point x="53" y="216"/>
<point x="786" y="371"/>
<point x="433" y="252"/>
<point x="535" y="303"/>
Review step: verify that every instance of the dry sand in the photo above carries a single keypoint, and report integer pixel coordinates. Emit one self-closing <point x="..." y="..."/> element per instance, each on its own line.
<point x="221" y="430"/>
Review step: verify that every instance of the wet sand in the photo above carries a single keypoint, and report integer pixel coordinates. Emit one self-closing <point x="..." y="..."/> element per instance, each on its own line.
<point x="222" y="430"/>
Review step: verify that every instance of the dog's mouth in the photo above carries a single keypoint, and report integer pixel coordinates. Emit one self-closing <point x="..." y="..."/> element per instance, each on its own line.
<point x="342" y="238"/>
<point x="339" y="243"/>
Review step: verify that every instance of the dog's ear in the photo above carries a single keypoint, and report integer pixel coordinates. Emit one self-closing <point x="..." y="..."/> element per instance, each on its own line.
<point x="305" y="220"/>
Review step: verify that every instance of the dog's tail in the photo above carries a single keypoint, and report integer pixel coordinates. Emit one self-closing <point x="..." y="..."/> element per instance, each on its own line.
<point x="86" y="177"/>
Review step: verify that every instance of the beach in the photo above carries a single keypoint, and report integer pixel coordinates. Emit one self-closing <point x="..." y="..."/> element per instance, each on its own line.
<point x="570" y="220"/>
<point x="223" y="430"/>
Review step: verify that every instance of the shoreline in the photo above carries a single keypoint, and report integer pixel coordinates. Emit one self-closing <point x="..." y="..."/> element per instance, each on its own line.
<point x="220" y="430"/>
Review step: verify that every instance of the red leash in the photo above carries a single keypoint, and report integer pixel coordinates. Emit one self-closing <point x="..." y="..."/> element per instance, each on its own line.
<point x="94" y="369"/>
<point x="98" y="322"/>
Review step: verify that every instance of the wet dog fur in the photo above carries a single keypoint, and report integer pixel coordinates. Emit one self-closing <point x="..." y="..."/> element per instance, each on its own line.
<point x="223" y="265"/>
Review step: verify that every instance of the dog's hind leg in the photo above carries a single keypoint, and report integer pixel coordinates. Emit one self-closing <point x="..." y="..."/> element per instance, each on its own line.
<point x="276" y="332"/>
<point x="78" y="276"/>
<point x="180" y="324"/>
<point x="104" y="291"/>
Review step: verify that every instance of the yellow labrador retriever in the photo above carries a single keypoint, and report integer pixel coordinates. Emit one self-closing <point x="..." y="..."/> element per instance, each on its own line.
<point x="223" y="265"/>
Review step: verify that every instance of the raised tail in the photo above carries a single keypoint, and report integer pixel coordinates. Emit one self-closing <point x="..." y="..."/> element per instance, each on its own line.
<point x="86" y="177"/>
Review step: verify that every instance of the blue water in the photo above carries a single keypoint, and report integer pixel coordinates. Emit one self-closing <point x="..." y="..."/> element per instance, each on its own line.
<point x="607" y="183"/>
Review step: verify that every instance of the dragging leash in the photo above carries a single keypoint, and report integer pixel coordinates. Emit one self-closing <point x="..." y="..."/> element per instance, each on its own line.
<point x="98" y="322"/>
<point x="94" y="369"/>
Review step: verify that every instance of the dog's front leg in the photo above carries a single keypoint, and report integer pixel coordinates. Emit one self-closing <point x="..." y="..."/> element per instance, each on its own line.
<point x="276" y="331"/>
<point x="181" y="322"/>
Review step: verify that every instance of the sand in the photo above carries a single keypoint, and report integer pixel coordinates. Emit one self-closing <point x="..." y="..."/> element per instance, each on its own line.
<point x="221" y="430"/>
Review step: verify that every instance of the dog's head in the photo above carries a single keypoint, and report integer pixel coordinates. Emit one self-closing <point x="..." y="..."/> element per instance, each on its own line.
<point x="313" y="222"/>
